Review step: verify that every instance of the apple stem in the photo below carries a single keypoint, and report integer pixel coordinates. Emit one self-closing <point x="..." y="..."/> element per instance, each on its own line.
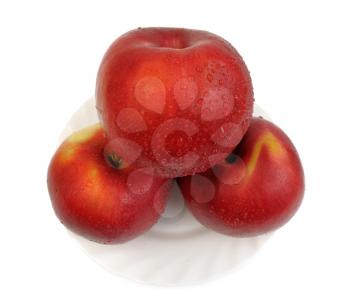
<point x="114" y="161"/>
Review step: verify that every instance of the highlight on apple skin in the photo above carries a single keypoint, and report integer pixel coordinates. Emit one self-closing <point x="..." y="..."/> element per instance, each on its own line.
<point x="182" y="97"/>
<point x="105" y="203"/>
<point x="257" y="189"/>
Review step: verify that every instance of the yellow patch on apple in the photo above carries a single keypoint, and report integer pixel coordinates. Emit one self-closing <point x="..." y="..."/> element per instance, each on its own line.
<point x="271" y="142"/>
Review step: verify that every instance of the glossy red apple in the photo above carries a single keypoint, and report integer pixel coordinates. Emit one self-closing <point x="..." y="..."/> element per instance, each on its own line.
<point x="178" y="100"/>
<point x="106" y="203"/>
<point x="257" y="189"/>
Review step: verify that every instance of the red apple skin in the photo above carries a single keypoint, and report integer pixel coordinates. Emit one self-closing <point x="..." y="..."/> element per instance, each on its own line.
<point x="259" y="191"/>
<point x="97" y="201"/>
<point x="184" y="97"/>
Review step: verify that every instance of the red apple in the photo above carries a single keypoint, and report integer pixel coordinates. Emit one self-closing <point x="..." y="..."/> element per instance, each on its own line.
<point x="257" y="189"/>
<point x="104" y="203"/>
<point x="180" y="99"/>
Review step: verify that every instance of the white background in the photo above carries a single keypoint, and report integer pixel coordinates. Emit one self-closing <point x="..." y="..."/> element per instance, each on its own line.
<point x="298" y="53"/>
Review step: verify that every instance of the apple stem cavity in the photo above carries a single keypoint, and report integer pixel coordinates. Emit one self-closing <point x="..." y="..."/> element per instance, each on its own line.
<point x="114" y="160"/>
<point x="231" y="158"/>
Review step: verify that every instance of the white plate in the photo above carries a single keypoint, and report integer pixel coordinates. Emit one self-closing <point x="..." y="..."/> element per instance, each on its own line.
<point x="177" y="250"/>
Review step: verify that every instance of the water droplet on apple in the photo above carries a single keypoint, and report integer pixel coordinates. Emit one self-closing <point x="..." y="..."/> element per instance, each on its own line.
<point x="217" y="104"/>
<point x="158" y="144"/>
<point x="236" y="221"/>
<point x="210" y="77"/>
<point x="226" y="134"/>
